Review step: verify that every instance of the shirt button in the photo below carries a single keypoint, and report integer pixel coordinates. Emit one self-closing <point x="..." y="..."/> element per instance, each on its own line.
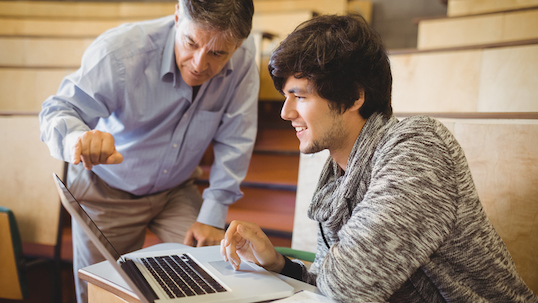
<point x="175" y="145"/>
<point x="165" y="171"/>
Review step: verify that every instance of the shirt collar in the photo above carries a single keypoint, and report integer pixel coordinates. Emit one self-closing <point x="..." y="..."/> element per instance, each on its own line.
<point x="168" y="65"/>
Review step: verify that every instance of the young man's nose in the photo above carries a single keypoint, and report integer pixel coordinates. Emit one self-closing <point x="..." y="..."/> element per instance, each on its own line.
<point x="288" y="110"/>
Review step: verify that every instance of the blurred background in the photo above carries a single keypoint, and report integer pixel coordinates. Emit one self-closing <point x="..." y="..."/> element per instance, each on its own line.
<point x="472" y="64"/>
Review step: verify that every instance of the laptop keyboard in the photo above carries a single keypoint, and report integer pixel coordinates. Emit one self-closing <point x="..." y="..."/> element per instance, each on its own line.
<point x="180" y="276"/>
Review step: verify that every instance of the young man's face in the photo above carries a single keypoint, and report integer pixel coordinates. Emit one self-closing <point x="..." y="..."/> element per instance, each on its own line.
<point x="200" y="54"/>
<point x="317" y="126"/>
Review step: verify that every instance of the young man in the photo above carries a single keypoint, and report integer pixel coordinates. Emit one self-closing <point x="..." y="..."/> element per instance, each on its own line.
<point x="135" y="119"/>
<point x="399" y="217"/>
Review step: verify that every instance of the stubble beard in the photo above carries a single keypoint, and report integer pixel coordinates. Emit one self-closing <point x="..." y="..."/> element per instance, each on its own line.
<point x="333" y="139"/>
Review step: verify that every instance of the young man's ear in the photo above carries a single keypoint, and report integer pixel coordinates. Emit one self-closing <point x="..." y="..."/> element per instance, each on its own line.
<point x="359" y="102"/>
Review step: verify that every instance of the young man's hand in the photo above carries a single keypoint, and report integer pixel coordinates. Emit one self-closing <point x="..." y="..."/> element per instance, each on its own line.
<point x="248" y="241"/>
<point x="95" y="147"/>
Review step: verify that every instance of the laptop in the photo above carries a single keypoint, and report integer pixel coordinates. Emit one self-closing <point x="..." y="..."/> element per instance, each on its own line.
<point x="182" y="275"/>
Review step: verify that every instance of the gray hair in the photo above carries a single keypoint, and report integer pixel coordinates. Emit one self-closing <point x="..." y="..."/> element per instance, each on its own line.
<point x="231" y="17"/>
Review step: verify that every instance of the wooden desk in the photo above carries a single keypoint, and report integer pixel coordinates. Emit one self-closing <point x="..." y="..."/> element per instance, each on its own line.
<point x="105" y="285"/>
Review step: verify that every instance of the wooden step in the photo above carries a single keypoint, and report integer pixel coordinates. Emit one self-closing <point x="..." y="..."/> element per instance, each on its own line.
<point x="277" y="171"/>
<point x="62" y="28"/>
<point x="475" y="7"/>
<point x="473" y="80"/>
<point x="277" y="141"/>
<point x="473" y="30"/>
<point x="42" y="52"/>
<point x="134" y="9"/>
<point x="274" y="170"/>
<point x="273" y="210"/>
<point x="25" y="89"/>
<point x="85" y="10"/>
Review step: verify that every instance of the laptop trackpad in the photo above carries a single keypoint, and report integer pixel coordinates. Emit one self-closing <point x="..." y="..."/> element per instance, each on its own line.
<point x="226" y="269"/>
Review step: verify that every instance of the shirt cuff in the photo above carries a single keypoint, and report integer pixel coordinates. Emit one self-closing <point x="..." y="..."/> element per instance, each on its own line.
<point x="292" y="269"/>
<point x="69" y="143"/>
<point x="213" y="213"/>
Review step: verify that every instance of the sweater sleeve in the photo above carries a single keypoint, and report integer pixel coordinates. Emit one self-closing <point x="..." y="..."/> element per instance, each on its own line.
<point x="292" y="269"/>
<point x="406" y="212"/>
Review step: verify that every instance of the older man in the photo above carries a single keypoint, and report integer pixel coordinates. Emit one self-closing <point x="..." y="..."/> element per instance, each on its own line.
<point x="136" y="118"/>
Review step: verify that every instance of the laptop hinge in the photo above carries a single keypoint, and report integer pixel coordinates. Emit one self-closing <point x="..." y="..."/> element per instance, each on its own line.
<point x="130" y="268"/>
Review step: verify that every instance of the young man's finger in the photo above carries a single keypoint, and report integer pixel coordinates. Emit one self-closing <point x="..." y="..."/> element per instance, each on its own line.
<point x="257" y="241"/>
<point x="230" y="232"/>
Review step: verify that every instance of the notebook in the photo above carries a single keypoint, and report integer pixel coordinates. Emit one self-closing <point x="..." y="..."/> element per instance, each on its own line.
<point x="182" y="275"/>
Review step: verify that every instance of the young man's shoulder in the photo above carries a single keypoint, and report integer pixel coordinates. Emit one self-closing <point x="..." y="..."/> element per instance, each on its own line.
<point x="418" y="122"/>
<point x="420" y="125"/>
<point x="420" y="134"/>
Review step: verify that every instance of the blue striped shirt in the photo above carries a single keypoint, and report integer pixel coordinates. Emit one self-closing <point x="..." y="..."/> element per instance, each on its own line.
<point x="129" y="85"/>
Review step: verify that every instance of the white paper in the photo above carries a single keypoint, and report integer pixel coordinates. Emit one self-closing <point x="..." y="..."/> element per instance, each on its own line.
<point x="306" y="297"/>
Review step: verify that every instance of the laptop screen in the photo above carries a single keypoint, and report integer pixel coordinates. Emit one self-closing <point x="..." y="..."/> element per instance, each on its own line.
<point x="89" y="222"/>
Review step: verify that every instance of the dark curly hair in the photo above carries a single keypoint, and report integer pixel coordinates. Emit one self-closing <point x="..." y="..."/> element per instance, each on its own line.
<point x="339" y="55"/>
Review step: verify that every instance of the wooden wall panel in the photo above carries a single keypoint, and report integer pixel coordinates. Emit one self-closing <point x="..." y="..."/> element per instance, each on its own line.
<point x="56" y="28"/>
<point x="26" y="184"/>
<point x="86" y="10"/>
<point x="508" y="80"/>
<point x="436" y="82"/>
<point x="24" y="90"/>
<point x="503" y="158"/>
<point x="41" y="52"/>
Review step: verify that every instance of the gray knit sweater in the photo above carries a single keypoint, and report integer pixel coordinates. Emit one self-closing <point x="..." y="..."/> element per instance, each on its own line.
<point x="404" y="223"/>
